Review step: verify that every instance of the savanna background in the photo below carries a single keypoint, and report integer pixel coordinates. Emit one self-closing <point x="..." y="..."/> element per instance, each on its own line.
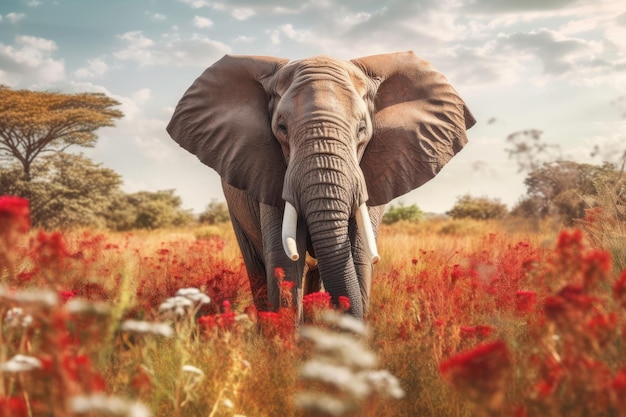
<point x="501" y="288"/>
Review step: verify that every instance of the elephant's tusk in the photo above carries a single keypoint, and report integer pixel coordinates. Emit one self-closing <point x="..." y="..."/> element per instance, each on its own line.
<point x="364" y="226"/>
<point x="290" y="225"/>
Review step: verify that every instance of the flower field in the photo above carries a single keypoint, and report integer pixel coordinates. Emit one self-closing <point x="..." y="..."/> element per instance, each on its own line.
<point x="467" y="319"/>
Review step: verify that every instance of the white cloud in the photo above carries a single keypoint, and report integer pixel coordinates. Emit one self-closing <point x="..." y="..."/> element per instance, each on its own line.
<point x="495" y="6"/>
<point x="245" y="39"/>
<point x="29" y="61"/>
<point x="170" y="52"/>
<point x="202" y="22"/>
<point x="242" y="13"/>
<point x="157" y="17"/>
<point x="609" y="146"/>
<point x="617" y="34"/>
<point x="141" y="96"/>
<point x="94" y="68"/>
<point x="196" y="4"/>
<point x="15" y="17"/>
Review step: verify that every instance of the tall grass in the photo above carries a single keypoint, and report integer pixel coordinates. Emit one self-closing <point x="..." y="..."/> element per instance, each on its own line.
<point x="472" y="318"/>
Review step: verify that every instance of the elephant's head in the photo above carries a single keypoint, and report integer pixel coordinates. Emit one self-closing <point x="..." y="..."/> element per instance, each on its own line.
<point x="323" y="137"/>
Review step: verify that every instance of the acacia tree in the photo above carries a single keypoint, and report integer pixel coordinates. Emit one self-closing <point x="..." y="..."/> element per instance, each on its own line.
<point x="36" y="122"/>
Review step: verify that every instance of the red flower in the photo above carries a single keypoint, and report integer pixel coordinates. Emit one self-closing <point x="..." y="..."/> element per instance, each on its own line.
<point x="618" y="386"/>
<point x="619" y="289"/>
<point x="315" y="303"/>
<point x="287" y="285"/>
<point x="525" y="301"/>
<point x="224" y="321"/>
<point x="279" y="273"/>
<point x="51" y="248"/>
<point x="66" y="295"/>
<point x="592" y="214"/>
<point x="468" y="332"/>
<point x="344" y="303"/>
<point x="12" y="406"/>
<point x="480" y="373"/>
<point x="457" y="272"/>
<point x="14" y="211"/>
<point x="208" y="321"/>
<point x="619" y="382"/>
<point x="484" y="331"/>
<point x="602" y="327"/>
<point x="279" y="324"/>
<point x="570" y="239"/>
<point x="596" y="266"/>
<point x="570" y="302"/>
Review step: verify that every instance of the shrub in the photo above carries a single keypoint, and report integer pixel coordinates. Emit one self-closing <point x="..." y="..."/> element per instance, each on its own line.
<point x="216" y="212"/>
<point x="395" y="214"/>
<point x="479" y="208"/>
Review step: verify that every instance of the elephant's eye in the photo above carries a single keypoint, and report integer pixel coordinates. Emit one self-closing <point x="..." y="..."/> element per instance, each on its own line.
<point x="282" y="127"/>
<point x="362" y="127"/>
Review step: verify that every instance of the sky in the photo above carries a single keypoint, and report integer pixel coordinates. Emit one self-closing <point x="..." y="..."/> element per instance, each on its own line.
<point x="558" y="66"/>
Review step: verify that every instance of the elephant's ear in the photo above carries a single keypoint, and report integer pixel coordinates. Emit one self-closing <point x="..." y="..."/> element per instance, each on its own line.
<point x="419" y="124"/>
<point x="223" y="119"/>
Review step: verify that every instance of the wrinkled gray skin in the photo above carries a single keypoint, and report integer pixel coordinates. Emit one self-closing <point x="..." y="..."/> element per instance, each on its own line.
<point x="326" y="136"/>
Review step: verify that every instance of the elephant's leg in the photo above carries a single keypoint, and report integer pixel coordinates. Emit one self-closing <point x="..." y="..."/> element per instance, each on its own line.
<point x="245" y="218"/>
<point x="362" y="263"/>
<point x="275" y="257"/>
<point x="255" y="267"/>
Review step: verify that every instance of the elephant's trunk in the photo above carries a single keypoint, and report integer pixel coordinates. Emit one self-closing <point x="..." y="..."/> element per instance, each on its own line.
<point x="328" y="228"/>
<point x="325" y="185"/>
<point x="364" y="226"/>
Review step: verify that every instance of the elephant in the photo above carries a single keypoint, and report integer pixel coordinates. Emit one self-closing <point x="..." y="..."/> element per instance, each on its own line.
<point x="310" y="151"/>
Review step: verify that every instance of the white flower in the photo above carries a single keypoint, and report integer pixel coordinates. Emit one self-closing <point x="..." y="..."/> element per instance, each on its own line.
<point x="78" y="306"/>
<point x="194" y="295"/>
<point x="44" y="298"/>
<point x="246" y="364"/>
<point x="15" y="317"/>
<point x="226" y="403"/>
<point x="136" y="326"/>
<point x="339" y="348"/>
<point x="176" y="305"/>
<point x="385" y="383"/>
<point x="339" y="376"/>
<point x="110" y="406"/>
<point x="192" y="370"/>
<point x="322" y="404"/>
<point x="184" y="292"/>
<point x="21" y="363"/>
<point x="345" y="322"/>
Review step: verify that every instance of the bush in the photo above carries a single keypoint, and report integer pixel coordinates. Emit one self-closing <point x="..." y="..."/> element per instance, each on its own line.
<point x="216" y="212"/>
<point x="479" y="208"/>
<point x="395" y="214"/>
<point x="149" y="210"/>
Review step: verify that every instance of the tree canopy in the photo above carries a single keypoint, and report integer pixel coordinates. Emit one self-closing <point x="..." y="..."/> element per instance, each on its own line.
<point x="566" y="189"/>
<point x="35" y="122"/>
<point x="65" y="190"/>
